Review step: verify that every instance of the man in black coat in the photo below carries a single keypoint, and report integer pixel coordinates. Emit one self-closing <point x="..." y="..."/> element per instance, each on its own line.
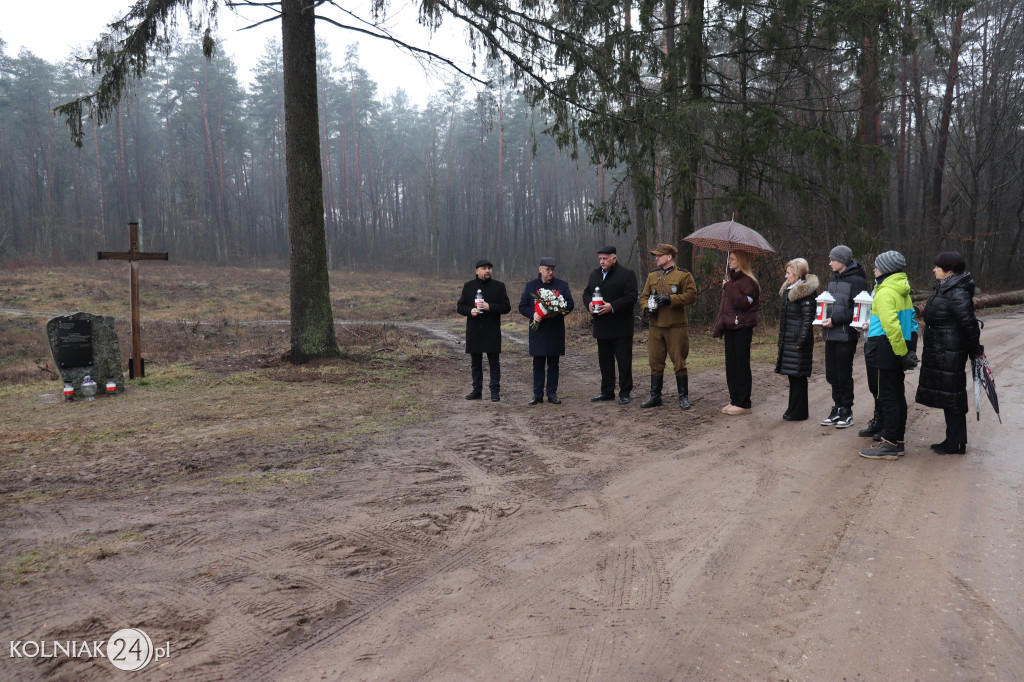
<point x="840" y="337"/>
<point x="613" y="323"/>
<point x="483" y="327"/>
<point x="547" y="334"/>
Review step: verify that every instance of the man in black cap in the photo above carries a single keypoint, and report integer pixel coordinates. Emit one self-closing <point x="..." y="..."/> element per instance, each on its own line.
<point x="668" y="291"/>
<point x="483" y="302"/>
<point x="547" y="333"/>
<point x="613" y="323"/>
<point x="847" y="280"/>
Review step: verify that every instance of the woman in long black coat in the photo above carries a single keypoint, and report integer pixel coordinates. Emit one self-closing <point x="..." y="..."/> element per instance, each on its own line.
<point x="796" y="335"/>
<point x="951" y="334"/>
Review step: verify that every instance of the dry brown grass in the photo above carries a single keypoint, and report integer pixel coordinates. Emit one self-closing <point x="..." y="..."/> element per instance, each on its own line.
<point x="233" y="319"/>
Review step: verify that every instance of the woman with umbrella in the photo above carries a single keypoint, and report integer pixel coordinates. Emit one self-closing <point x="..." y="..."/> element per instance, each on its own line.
<point x="737" y="314"/>
<point x="951" y="334"/>
<point x="737" y="317"/>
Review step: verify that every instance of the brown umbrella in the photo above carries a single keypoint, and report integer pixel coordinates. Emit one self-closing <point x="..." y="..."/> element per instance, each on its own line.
<point x="730" y="236"/>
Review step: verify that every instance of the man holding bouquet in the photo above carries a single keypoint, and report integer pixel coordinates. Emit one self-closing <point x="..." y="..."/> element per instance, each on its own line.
<point x="666" y="294"/>
<point x="546" y="301"/>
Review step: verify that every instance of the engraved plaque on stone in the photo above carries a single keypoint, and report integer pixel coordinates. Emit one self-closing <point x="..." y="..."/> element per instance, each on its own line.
<point x="74" y="343"/>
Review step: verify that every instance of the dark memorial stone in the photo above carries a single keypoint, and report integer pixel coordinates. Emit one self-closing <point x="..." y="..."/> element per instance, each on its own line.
<point x="85" y="345"/>
<point x="74" y="343"/>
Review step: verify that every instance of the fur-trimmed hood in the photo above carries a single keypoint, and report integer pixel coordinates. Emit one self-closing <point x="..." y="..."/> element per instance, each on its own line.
<point x="805" y="288"/>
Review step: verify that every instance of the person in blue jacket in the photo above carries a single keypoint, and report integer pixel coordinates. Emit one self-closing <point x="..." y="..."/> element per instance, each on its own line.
<point x="547" y="339"/>
<point x="889" y="350"/>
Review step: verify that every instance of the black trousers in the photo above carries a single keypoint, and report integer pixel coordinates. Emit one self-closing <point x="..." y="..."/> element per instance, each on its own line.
<point x="609" y="353"/>
<point x="737" y="365"/>
<point x="956" y="426"/>
<point x="538" y="375"/>
<point x="873" y="387"/>
<point x="839" y="371"/>
<point x="477" y="370"/>
<point x="892" y="397"/>
<point x="797" y="408"/>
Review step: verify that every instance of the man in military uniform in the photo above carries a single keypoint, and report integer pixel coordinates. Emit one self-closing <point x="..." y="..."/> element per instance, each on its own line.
<point x="667" y="293"/>
<point x="483" y="327"/>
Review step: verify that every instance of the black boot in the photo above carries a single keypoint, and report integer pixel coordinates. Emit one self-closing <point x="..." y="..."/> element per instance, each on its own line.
<point x="683" y="385"/>
<point x="657" y="382"/>
<point x="873" y="428"/>
<point x="947" y="448"/>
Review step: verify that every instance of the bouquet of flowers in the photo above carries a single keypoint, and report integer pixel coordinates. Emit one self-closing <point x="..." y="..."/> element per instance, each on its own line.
<point x="546" y="303"/>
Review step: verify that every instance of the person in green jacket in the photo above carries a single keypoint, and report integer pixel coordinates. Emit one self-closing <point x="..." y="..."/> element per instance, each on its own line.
<point x="890" y="350"/>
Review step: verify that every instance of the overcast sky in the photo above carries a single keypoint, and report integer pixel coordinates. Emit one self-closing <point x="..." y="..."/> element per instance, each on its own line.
<point x="55" y="29"/>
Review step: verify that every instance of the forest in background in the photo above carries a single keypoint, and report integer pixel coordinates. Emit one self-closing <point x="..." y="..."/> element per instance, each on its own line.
<point x="808" y="126"/>
<point x="198" y="160"/>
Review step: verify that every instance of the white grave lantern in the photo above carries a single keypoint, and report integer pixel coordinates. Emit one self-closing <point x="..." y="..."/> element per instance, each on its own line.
<point x="825" y="302"/>
<point x="862" y="308"/>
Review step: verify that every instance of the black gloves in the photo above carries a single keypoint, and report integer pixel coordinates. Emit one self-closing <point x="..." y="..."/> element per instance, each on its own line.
<point x="909" y="361"/>
<point x="662" y="300"/>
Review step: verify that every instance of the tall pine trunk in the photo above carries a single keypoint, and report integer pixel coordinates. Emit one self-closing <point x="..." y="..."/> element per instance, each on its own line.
<point x="942" y="138"/>
<point x="312" y="320"/>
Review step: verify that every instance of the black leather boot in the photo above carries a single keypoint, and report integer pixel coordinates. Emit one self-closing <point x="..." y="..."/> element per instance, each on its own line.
<point x="683" y="385"/>
<point x="657" y="382"/>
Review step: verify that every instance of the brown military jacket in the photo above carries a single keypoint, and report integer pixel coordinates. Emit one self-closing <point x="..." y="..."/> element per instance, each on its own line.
<point x="676" y="284"/>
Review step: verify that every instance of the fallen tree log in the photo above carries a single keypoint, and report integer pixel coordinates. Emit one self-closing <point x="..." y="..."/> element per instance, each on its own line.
<point x="990" y="301"/>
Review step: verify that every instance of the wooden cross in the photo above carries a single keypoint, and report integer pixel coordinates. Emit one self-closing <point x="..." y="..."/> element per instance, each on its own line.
<point x="133" y="256"/>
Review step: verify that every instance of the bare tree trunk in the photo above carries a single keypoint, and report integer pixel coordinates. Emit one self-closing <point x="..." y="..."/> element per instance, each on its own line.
<point x="901" y="157"/>
<point x="122" y="167"/>
<point x="942" y="136"/>
<point x="870" y="121"/>
<point x="501" y="161"/>
<point x="99" y="175"/>
<point x="140" y="176"/>
<point x="332" y="222"/>
<point x="212" y="188"/>
<point x="694" y="46"/>
<point x="359" y="174"/>
<point x="312" y="320"/>
<point x="921" y="125"/>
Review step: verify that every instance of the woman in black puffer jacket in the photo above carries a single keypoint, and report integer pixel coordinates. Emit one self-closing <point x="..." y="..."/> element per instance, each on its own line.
<point x="796" y="338"/>
<point x="952" y="334"/>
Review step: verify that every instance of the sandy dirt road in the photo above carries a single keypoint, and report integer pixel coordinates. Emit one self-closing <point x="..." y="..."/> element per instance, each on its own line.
<point x="578" y="542"/>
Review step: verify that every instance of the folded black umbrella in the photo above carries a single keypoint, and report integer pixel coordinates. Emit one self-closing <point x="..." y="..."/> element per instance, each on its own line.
<point x="984" y="381"/>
